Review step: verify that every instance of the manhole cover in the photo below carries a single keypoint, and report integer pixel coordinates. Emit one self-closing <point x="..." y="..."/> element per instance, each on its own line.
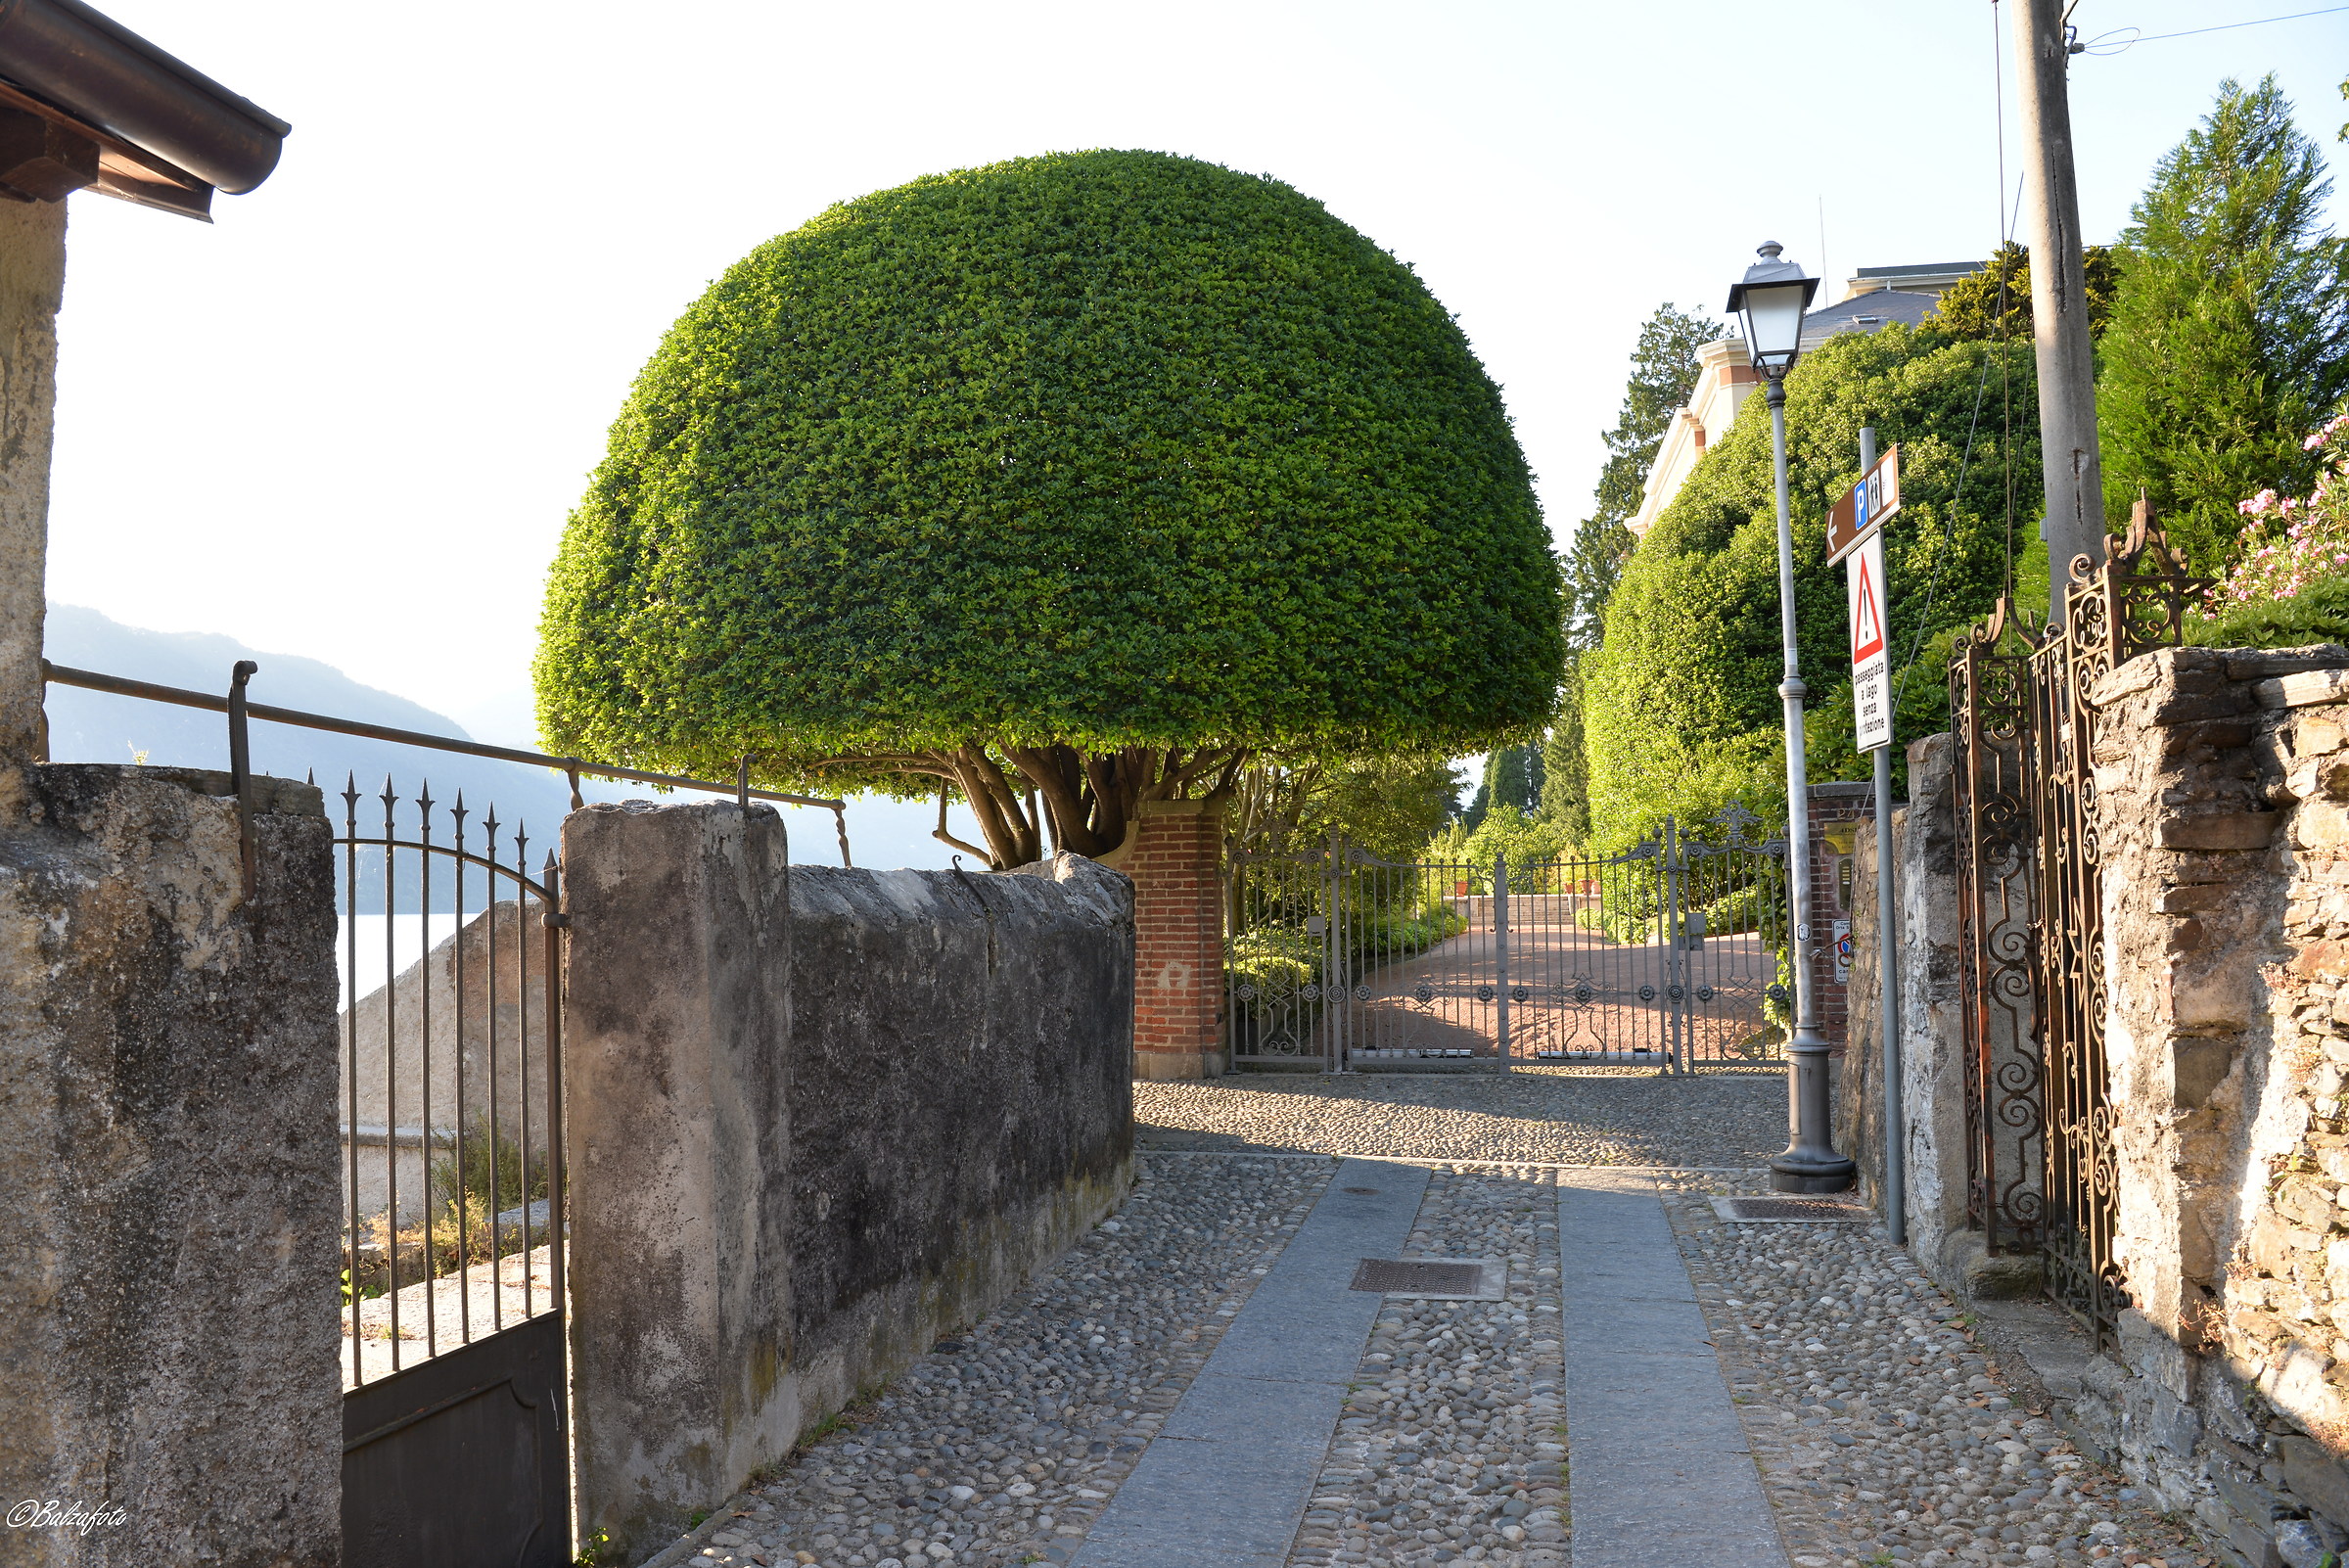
<point x="1412" y="1277"/>
<point x="1788" y="1211"/>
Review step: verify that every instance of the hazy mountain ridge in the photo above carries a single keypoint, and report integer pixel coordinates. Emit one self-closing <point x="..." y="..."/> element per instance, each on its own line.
<point x="89" y="726"/>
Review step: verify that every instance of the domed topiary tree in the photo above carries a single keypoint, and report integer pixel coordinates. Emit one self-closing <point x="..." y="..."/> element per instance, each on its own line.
<point x="1066" y="484"/>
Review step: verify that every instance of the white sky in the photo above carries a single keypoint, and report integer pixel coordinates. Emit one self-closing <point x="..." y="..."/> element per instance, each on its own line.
<point x="348" y="420"/>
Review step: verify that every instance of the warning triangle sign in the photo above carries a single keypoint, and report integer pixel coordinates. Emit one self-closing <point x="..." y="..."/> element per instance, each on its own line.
<point x="1868" y="617"/>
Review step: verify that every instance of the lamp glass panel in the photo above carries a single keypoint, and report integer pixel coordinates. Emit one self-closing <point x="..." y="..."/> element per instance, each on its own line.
<point x="1774" y="321"/>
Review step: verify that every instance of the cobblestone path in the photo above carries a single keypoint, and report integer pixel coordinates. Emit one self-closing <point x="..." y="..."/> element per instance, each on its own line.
<point x="1883" y="1433"/>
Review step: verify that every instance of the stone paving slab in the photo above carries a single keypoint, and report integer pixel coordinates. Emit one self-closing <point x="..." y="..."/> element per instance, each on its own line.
<point x="1228" y="1480"/>
<point x="1660" y="1475"/>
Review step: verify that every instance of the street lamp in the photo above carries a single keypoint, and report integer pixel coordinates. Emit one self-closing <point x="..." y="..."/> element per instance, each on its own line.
<point x="1770" y="302"/>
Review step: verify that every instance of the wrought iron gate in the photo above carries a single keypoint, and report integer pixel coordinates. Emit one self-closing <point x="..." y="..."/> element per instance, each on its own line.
<point x="1336" y="959"/>
<point x="2039" y="1120"/>
<point x="454" y="1446"/>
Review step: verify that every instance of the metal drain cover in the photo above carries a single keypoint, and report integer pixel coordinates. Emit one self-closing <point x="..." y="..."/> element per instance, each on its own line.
<point x="1789" y="1211"/>
<point x="1430" y="1278"/>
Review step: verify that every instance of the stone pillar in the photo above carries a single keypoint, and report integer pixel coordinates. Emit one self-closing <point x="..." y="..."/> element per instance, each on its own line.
<point x="1176" y="860"/>
<point x="1925" y="845"/>
<point x="1838" y="813"/>
<point x="33" y="272"/>
<point x="677" y="1017"/>
<point x="170" y="1161"/>
<point x="1925" y="839"/>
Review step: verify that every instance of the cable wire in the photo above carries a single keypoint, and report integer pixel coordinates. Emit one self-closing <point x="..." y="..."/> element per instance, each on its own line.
<point x="2104" y="43"/>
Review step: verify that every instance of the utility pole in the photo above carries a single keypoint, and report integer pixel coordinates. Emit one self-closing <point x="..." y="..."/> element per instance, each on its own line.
<point x="2067" y="385"/>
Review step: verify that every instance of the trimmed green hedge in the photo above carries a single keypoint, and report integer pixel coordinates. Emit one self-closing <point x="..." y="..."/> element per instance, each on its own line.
<point x="1105" y="449"/>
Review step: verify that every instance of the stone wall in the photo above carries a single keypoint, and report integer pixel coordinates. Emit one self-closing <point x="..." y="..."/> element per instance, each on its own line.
<point x="817" y="1119"/>
<point x="167" y="1148"/>
<point x="2221" y="783"/>
<point x="1858" y="1124"/>
<point x="2222" y="812"/>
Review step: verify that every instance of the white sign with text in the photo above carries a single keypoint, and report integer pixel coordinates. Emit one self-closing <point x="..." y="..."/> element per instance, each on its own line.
<point x="1872" y="666"/>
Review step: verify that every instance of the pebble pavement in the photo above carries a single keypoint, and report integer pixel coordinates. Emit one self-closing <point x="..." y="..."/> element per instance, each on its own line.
<point x="1886" y="1433"/>
<point x="1002" y="1447"/>
<point x="1449" y="1446"/>
<point x="1539" y="1115"/>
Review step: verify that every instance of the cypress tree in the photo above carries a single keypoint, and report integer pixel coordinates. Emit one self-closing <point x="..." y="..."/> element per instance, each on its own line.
<point x="2230" y="336"/>
<point x="1664" y="372"/>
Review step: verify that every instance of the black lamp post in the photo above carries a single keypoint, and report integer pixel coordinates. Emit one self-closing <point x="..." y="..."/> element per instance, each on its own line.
<point x="1770" y="302"/>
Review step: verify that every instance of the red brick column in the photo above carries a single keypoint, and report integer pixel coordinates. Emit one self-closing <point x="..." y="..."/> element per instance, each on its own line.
<point x="1176" y="858"/>
<point x="1837" y="811"/>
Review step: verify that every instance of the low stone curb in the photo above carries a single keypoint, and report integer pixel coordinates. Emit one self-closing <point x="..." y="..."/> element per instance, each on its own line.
<point x="689" y="1546"/>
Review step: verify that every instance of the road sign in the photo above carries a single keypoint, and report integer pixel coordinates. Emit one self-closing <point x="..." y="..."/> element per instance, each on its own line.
<point x="1871" y="664"/>
<point x="1865" y="507"/>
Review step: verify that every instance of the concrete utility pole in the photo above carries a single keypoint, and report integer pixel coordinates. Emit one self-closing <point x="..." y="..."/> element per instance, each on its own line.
<point x="2067" y="385"/>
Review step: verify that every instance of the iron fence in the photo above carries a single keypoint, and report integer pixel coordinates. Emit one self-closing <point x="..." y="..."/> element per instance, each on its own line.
<point x="1336" y="958"/>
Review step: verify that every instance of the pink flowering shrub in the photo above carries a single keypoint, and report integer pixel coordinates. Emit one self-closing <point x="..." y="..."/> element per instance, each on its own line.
<point x="2293" y="542"/>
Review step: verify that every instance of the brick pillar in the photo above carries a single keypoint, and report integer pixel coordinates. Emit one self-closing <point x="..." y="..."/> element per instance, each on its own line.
<point x="1175" y="858"/>
<point x="1839" y="813"/>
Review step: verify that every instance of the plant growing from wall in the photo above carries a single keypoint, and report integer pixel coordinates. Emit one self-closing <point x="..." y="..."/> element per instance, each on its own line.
<point x="1064" y="484"/>
<point x="2289" y="584"/>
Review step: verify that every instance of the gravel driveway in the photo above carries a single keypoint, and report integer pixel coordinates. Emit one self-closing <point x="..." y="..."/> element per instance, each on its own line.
<point x="1886" y="1430"/>
<point x="1730" y="1118"/>
<point x="1887" y="1436"/>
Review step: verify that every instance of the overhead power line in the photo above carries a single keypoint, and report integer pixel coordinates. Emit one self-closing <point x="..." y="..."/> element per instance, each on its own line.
<point x="2113" y="43"/>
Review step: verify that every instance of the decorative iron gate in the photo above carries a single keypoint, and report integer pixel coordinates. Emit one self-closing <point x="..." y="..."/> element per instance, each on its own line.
<point x="1336" y="959"/>
<point x="454" y="1448"/>
<point x="1991" y="725"/>
<point x="2025" y="788"/>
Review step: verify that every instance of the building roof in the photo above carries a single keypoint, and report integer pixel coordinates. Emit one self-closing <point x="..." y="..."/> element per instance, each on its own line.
<point x="1919" y="277"/>
<point x="87" y="104"/>
<point x="1865" y="313"/>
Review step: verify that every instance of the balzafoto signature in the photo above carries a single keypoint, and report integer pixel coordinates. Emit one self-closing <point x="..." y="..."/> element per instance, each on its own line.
<point x="35" y="1514"/>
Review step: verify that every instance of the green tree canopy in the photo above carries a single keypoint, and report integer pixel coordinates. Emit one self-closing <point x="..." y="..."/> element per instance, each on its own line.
<point x="1996" y="301"/>
<point x="1682" y="701"/>
<point x="1067" y="484"/>
<point x="1664" y="371"/>
<point x="1513" y="777"/>
<point x="1389" y="803"/>
<point x="2230" y="335"/>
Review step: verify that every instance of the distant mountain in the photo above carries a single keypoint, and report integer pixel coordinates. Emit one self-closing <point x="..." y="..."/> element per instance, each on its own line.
<point x="90" y="726"/>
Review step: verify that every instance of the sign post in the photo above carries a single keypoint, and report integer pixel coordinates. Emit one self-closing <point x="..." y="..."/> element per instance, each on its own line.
<point x="1856" y="537"/>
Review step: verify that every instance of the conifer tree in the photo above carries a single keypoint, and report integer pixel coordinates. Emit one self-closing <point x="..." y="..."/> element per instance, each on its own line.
<point x="1663" y="373"/>
<point x="2230" y="336"/>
